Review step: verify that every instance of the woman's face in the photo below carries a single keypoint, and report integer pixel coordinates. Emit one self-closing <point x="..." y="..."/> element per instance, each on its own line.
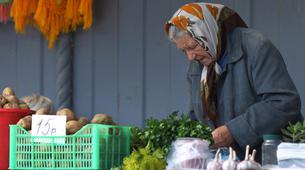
<point x="193" y="50"/>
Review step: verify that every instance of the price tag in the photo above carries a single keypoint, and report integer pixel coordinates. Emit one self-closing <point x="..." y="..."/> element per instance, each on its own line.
<point x="49" y="125"/>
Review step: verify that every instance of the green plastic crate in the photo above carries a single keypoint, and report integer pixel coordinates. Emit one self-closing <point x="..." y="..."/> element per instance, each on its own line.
<point x="95" y="146"/>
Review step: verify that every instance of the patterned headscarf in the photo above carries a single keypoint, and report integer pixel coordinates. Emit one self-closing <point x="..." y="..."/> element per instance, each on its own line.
<point x="208" y="24"/>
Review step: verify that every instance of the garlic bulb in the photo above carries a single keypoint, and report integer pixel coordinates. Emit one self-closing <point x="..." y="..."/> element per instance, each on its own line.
<point x="216" y="163"/>
<point x="230" y="163"/>
<point x="248" y="164"/>
<point x="252" y="159"/>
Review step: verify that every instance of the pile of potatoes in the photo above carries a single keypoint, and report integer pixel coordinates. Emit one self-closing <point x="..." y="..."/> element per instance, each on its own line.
<point x="8" y="100"/>
<point x="73" y="124"/>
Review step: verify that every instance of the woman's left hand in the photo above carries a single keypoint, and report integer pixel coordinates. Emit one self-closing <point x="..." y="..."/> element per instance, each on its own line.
<point x="222" y="137"/>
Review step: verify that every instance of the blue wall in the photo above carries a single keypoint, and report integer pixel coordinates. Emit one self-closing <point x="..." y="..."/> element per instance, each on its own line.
<point x="125" y="66"/>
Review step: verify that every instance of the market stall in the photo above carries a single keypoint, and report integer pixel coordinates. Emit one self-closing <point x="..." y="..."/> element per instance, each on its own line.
<point x="176" y="142"/>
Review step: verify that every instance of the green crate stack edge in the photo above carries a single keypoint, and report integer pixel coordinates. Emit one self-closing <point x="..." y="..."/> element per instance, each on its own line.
<point x="95" y="146"/>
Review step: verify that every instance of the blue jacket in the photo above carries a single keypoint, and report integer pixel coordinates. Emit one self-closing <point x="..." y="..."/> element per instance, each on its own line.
<point x="255" y="94"/>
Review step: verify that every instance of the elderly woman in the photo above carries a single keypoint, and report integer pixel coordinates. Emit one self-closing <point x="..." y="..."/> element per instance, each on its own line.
<point x="239" y="84"/>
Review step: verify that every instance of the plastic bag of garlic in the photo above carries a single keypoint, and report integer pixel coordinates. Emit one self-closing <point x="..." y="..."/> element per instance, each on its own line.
<point x="188" y="154"/>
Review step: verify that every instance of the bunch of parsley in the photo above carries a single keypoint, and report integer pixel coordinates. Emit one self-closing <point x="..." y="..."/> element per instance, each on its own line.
<point x="161" y="133"/>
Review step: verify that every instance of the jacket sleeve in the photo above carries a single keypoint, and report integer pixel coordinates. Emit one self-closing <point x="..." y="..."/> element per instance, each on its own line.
<point x="277" y="103"/>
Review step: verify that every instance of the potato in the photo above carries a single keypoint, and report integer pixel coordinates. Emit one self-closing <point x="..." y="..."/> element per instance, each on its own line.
<point x="73" y="126"/>
<point x="8" y="92"/>
<point x="2" y="100"/>
<point x="11" y="106"/>
<point x="42" y="111"/>
<point x="102" y="119"/>
<point x="67" y="112"/>
<point x="23" y="106"/>
<point x="21" y="101"/>
<point x="25" y="122"/>
<point x="12" y="99"/>
<point x="83" y="121"/>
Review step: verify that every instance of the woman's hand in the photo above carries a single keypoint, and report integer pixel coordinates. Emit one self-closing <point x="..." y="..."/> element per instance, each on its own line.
<point x="222" y="137"/>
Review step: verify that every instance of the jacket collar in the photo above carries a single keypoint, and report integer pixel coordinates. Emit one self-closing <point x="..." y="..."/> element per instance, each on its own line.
<point x="234" y="48"/>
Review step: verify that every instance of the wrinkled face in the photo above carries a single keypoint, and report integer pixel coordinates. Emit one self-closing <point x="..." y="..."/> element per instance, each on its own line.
<point x="193" y="50"/>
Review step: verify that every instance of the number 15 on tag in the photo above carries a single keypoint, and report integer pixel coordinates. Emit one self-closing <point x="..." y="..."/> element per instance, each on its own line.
<point x="48" y="125"/>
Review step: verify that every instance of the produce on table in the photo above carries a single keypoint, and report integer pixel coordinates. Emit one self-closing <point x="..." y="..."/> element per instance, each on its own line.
<point x="23" y="105"/>
<point x="2" y="100"/>
<point x="294" y="133"/>
<point x="7" y="91"/>
<point x="8" y="100"/>
<point x="249" y="164"/>
<point x="12" y="99"/>
<point x="11" y="106"/>
<point x="83" y="121"/>
<point x="66" y="112"/>
<point x="290" y="153"/>
<point x="145" y="159"/>
<point x="73" y="126"/>
<point x="43" y="106"/>
<point x="216" y="163"/>
<point x="188" y="153"/>
<point x="252" y="159"/>
<point x="231" y="162"/>
<point x="105" y="119"/>
<point x="42" y="111"/>
<point x="25" y="122"/>
<point x="163" y="132"/>
<point x="159" y="135"/>
<point x="102" y="119"/>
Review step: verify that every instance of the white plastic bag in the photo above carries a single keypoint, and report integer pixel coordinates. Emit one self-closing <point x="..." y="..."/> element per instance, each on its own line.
<point x="36" y="102"/>
<point x="188" y="153"/>
<point x="291" y="155"/>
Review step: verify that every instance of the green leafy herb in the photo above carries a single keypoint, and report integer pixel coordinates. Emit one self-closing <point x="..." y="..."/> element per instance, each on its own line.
<point x="163" y="132"/>
<point x="145" y="158"/>
<point x="294" y="133"/>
